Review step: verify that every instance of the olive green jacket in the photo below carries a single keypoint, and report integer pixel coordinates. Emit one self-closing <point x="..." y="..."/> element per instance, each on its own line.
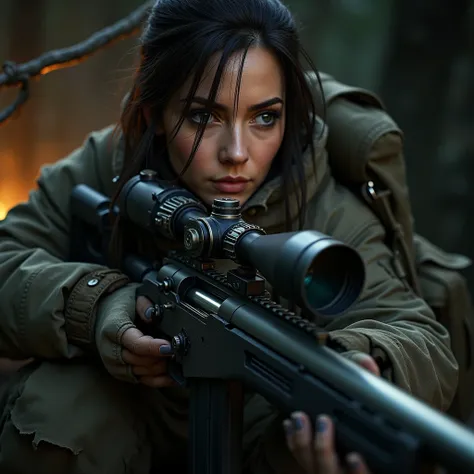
<point x="46" y="307"/>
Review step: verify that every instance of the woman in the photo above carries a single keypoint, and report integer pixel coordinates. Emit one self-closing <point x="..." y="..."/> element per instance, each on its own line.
<point x="220" y="102"/>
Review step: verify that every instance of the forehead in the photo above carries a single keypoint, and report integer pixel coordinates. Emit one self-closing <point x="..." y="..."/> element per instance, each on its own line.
<point x="262" y="78"/>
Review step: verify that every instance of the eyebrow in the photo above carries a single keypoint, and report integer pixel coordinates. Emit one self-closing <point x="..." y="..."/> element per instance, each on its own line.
<point x="252" y="108"/>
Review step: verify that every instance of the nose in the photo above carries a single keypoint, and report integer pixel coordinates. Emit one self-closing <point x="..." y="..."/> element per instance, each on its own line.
<point x="234" y="149"/>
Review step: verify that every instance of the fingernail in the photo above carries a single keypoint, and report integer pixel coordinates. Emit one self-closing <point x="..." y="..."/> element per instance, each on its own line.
<point x="353" y="462"/>
<point x="165" y="350"/>
<point x="321" y="425"/>
<point x="297" y="422"/>
<point x="149" y="312"/>
<point x="288" y="427"/>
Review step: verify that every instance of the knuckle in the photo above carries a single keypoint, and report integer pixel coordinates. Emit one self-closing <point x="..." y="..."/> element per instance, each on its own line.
<point x="134" y="348"/>
<point x="300" y="442"/>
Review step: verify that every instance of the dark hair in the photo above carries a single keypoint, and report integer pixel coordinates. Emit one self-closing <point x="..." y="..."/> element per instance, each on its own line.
<point x="178" y="41"/>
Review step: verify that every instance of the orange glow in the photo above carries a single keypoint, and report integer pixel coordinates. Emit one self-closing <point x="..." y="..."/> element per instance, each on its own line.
<point x="16" y="182"/>
<point x="13" y="188"/>
<point x="12" y="192"/>
<point x="3" y="210"/>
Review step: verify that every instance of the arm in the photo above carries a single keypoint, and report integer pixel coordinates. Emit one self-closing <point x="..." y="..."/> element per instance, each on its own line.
<point x="46" y="306"/>
<point x="397" y="328"/>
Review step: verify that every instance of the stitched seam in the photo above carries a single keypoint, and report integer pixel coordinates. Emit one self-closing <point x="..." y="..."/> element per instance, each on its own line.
<point x="23" y="301"/>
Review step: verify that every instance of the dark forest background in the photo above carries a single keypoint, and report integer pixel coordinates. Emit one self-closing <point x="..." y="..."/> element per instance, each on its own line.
<point x="417" y="54"/>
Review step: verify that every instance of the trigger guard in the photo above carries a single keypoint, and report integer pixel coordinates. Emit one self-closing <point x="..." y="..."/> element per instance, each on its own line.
<point x="176" y="373"/>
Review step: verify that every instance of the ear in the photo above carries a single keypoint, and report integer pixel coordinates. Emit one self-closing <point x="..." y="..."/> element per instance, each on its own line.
<point x="147" y="114"/>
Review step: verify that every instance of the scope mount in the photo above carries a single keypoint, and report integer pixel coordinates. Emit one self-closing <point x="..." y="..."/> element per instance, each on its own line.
<point x="177" y="214"/>
<point x="216" y="236"/>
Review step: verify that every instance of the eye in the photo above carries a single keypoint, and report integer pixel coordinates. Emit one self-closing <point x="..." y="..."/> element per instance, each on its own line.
<point x="267" y="119"/>
<point x="198" y="116"/>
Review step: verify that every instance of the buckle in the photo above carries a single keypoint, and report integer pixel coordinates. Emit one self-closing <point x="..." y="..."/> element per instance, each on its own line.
<point x="372" y="194"/>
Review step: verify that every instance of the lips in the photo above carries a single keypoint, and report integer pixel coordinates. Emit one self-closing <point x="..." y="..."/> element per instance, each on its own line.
<point x="231" y="184"/>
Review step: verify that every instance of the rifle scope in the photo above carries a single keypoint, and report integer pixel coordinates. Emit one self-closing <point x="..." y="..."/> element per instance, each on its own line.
<point x="312" y="269"/>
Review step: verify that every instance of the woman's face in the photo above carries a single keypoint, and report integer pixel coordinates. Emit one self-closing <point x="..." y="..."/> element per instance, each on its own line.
<point x="240" y="140"/>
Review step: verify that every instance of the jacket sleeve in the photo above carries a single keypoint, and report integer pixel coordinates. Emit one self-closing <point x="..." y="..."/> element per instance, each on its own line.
<point x="397" y="328"/>
<point x="46" y="304"/>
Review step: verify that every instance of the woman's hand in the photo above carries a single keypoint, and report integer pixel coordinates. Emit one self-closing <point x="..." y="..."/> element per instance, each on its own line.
<point x="147" y="356"/>
<point x="316" y="453"/>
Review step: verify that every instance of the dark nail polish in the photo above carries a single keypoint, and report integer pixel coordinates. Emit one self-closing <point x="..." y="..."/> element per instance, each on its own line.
<point x="149" y="313"/>
<point x="321" y="425"/>
<point x="297" y="423"/>
<point x="165" y="350"/>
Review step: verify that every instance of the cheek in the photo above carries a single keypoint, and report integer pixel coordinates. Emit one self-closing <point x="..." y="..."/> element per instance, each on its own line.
<point x="265" y="152"/>
<point x="180" y="151"/>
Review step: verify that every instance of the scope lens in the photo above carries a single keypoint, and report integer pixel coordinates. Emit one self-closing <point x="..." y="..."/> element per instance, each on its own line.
<point x="322" y="290"/>
<point x="334" y="280"/>
<point x="320" y="274"/>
